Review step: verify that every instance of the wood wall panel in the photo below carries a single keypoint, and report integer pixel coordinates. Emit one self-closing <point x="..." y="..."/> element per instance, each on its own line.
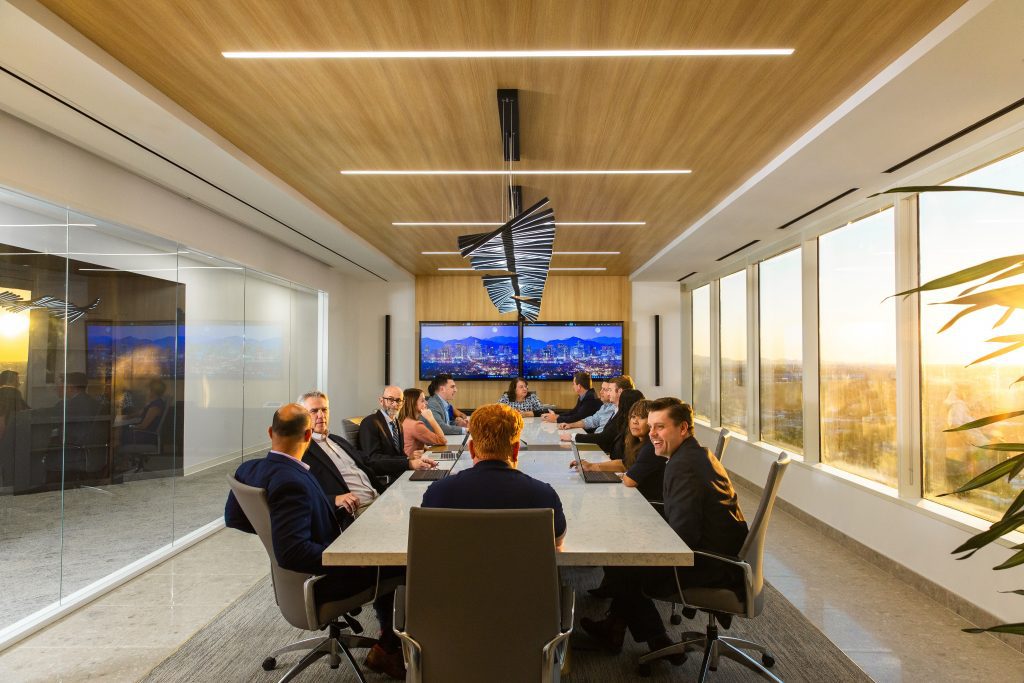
<point x="566" y="297"/>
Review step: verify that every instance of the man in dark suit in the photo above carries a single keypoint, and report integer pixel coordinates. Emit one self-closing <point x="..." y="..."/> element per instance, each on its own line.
<point x="338" y="466"/>
<point x="381" y="438"/>
<point x="587" y="402"/>
<point x="303" y="524"/>
<point x="701" y="507"/>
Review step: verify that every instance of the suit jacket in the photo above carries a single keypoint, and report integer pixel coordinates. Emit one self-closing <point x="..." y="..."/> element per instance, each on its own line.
<point x="701" y="507"/>
<point x="382" y="456"/>
<point x="327" y="475"/>
<point x="610" y="439"/>
<point x="586" y="405"/>
<point x="302" y="521"/>
<point x="441" y="415"/>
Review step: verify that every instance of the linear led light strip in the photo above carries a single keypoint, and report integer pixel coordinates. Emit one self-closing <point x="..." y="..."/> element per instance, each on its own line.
<point x="550" y="269"/>
<point x="483" y="224"/>
<point x="554" y="253"/>
<point x="506" y="172"/>
<point x="508" y="54"/>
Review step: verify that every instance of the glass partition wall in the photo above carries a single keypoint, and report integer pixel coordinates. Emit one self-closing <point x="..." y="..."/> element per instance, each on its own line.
<point x="134" y="374"/>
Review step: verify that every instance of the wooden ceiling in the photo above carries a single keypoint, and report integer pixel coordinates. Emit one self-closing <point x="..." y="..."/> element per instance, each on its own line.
<point x="722" y="117"/>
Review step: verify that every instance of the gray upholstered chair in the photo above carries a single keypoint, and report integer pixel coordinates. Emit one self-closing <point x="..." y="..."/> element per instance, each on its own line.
<point x="721" y="604"/>
<point x="482" y="600"/>
<point x="295" y="597"/>
<point x="723" y="441"/>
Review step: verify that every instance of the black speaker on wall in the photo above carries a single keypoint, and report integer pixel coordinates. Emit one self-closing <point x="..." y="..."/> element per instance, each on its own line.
<point x="657" y="350"/>
<point x="387" y="350"/>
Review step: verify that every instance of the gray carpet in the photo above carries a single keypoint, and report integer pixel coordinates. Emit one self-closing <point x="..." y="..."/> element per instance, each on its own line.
<point x="233" y="646"/>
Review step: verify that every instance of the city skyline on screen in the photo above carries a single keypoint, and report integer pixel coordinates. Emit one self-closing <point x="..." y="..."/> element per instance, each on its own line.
<point x="468" y="351"/>
<point x="557" y="351"/>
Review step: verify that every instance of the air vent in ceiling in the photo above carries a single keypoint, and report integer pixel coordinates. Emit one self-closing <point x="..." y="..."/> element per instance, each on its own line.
<point x="736" y="251"/>
<point x="956" y="136"/>
<point x="819" y="207"/>
<point x="686" y="276"/>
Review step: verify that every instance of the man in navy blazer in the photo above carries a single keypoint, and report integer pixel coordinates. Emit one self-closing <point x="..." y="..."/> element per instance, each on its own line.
<point x="303" y="524"/>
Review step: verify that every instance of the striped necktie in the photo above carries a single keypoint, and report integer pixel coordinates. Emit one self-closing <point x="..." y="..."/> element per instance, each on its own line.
<point x="394" y="436"/>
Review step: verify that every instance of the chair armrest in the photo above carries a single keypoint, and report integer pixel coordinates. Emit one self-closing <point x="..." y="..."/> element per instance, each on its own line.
<point x="309" y="598"/>
<point x="748" y="571"/>
<point x="399" y="620"/>
<point x="721" y="558"/>
<point x="659" y="505"/>
<point x="568" y="599"/>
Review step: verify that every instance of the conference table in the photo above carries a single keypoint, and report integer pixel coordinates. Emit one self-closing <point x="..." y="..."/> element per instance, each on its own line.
<point x="607" y="524"/>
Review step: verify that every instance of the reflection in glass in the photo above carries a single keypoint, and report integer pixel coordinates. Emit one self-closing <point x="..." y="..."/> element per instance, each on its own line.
<point x="782" y="419"/>
<point x="951" y="393"/>
<point x="857" y="340"/>
<point x="733" y="315"/>
<point x="33" y="245"/>
<point x="701" y="306"/>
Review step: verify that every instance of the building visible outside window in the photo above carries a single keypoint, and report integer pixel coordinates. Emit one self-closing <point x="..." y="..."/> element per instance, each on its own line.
<point x="781" y="330"/>
<point x="857" y="347"/>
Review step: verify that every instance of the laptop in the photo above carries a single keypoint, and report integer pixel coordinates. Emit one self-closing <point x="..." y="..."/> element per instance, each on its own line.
<point x="437" y="473"/>
<point x="593" y="477"/>
<point x="448" y="455"/>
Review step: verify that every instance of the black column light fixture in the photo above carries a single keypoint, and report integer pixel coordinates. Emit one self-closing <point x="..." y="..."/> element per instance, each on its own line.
<point x="523" y="245"/>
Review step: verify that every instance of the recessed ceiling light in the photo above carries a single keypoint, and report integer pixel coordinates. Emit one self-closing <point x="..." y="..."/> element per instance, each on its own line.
<point x="508" y="54"/>
<point x="48" y="225"/>
<point x="505" y="172"/>
<point x="485" y="224"/>
<point x="440" y="253"/>
<point x="577" y="269"/>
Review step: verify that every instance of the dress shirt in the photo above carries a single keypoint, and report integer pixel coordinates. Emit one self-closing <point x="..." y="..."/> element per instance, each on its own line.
<point x="598" y="420"/>
<point x="356" y="480"/>
<point x="293" y="459"/>
<point x="396" y="435"/>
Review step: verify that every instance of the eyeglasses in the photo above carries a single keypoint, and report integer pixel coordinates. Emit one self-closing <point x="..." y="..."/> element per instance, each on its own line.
<point x="396" y="401"/>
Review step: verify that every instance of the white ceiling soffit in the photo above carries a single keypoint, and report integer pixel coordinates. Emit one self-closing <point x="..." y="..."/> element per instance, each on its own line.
<point x="969" y="67"/>
<point x="45" y="51"/>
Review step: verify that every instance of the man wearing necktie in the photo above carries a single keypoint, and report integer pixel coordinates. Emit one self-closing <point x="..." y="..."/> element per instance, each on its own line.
<point x="381" y="438"/>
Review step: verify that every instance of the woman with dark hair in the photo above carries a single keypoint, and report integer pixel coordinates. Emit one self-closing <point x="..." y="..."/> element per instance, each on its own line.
<point x="519" y="397"/>
<point x="144" y="432"/>
<point x="612" y="438"/>
<point x="419" y="426"/>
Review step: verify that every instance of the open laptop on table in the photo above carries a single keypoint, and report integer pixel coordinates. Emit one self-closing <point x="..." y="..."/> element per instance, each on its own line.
<point x="594" y="477"/>
<point x="437" y="473"/>
<point x="449" y="455"/>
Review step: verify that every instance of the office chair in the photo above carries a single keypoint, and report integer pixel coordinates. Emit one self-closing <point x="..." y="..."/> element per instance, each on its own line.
<point x="482" y="599"/>
<point x="138" y="454"/>
<point x="721" y="604"/>
<point x="723" y="442"/>
<point x="295" y="596"/>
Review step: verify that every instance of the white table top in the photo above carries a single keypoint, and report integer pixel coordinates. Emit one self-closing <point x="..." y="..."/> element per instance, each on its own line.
<point x="607" y="524"/>
<point x="535" y="432"/>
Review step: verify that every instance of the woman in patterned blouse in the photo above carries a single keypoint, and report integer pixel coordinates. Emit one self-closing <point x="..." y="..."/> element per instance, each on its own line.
<point x="521" y="398"/>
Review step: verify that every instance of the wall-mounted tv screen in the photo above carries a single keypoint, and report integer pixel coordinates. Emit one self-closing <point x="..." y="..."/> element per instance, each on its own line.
<point x="557" y="350"/>
<point x="469" y="350"/>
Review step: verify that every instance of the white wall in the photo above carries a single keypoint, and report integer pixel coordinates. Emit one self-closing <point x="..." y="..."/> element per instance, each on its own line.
<point x="650" y="299"/>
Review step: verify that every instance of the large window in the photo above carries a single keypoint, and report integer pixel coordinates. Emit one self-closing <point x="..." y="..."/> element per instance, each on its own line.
<point x="958" y="230"/>
<point x="701" y="307"/>
<point x="782" y="421"/>
<point x="134" y="374"/>
<point x="857" y="343"/>
<point x="733" y="344"/>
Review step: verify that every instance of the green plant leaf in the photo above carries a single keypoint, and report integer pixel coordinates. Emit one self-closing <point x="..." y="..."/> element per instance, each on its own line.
<point x="1001" y="276"/>
<point x="1004" y="318"/>
<point x="1013" y="473"/>
<point x="1019" y="591"/>
<point x="1007" y="339"/>
<point x="991" y="419"/>
<point x="995" y="354"/>
<point x="1014" y="561"/>
<point x="911" y="189"/>
<point x="1016" y="629"/>
<point x="1016" y="505"/>
<point x="1011" y="296"/>
<point x="1016" y="380"/>
<point x="966" y="311"/>
<point x="990" y="475"/>
<point x="966" y="275"/>
<point x="980" y="540"/>
<point x="1002" y="446"/>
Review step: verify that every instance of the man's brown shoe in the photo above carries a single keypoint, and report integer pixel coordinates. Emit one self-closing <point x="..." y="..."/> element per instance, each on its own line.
<point x="389" y="663"/>
<point x="609" y="633"/>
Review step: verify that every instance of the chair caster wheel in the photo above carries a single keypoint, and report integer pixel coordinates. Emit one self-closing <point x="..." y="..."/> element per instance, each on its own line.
<point x="768" y="660"/>
<point x="269" y="664"/>
<point x="644" y="670"/>
<point x="676" y="619"/>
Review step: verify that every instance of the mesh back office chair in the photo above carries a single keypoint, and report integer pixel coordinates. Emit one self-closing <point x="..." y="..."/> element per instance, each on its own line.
<point x="294" y="594"/>
<point x="723" y="603"/>
<point x="350" y="430"/>
<point x="482" y="598"/>
<point x="723" y="442"/>
<point x="162" y="435"/>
